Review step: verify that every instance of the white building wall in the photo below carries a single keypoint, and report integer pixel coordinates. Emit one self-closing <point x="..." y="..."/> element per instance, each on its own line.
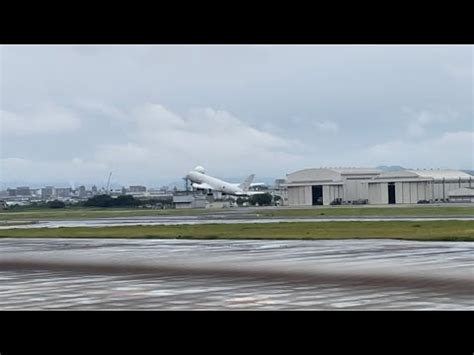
<point x="451" y="186"/>
<point x="299" y="195"/>
<point x="303" y="195"/>
<point x="375" y="194"/>
<point x="308" y="196"/>
<point x="331" y="192"/>
<point x="431" y="190"/>
<point x="461" y="199"/>
<point x="457" y="185"/>
<point x="401" y="192"/>
<point x="407" y="190"/>
<point x="291" y="195"/>
<point x="438" y="190"/>
<point x="349" y="190"/>
<point x="378" y="193"/>
<point x="413" y="192"/>
<point x="421" y="191"/>
<point x="339" y="191"/>
<point x="363" y="190"/>
<point x="441" y="191"/>
<point x="384" y="192"/>
<point x="327" y="194"/>
<point x="355" y="190"/>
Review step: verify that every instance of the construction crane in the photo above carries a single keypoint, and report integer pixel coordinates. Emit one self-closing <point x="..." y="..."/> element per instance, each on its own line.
<point x="108" y="182"/>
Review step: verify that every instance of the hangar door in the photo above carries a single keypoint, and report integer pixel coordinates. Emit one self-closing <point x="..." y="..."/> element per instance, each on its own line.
<point x="317" y="191"/>
<point x="391" y="193"/>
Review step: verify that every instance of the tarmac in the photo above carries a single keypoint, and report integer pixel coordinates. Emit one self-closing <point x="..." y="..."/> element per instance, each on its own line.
<point x="83" y="274"/>
<point x="207" y="219"/>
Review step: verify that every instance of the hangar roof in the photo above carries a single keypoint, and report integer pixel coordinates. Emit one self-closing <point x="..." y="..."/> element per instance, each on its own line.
<point x="330" y="174"/>
<point x="399" y="174"/>
<point x="425" y="175"/>
<point x="441" y="174"/>
<point x="339" y="174"/>
<point x="350" y="171"/>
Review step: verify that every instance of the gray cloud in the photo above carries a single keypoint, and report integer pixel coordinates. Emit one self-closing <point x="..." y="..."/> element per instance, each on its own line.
<point x="48" y="119"/>
<point x="150" y="113"/>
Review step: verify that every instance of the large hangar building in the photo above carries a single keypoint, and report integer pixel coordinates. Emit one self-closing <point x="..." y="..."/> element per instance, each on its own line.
<point x="325" y="186"/>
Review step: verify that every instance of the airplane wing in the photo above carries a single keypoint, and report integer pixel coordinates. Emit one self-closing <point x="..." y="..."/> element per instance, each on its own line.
<point x="202" y="186"/>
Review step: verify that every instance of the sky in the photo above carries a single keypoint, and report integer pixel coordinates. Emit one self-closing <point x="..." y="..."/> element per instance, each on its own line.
<point x="71" y="114"/>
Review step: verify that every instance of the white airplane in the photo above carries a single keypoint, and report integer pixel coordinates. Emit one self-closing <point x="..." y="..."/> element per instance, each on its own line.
<point x="200" y="180"/>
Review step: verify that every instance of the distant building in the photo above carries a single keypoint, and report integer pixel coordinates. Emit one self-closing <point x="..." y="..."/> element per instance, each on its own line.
<point x="36" y="192"/>
<point x="11" y="192"/>
<point x="463" y="194"/>
<point x="23" y="191"/>
<point x="278" y="183"/>
<point x="94" y="190"/>
<point x="82" y="191"/>
<point x="137" y="188"/>
<point x="189" y="201"/>
<point x="47" y="192"/>
<point x="63" y="192"/>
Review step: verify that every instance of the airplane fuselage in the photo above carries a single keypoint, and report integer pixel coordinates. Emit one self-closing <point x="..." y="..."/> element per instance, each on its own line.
<point x="215" y="183"/>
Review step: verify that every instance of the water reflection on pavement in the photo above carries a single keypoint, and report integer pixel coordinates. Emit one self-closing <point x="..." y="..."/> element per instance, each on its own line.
<point x="220" y="274"/>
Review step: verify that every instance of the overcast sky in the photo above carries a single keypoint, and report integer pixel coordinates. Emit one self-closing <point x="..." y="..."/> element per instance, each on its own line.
<point x="151" y="113"/>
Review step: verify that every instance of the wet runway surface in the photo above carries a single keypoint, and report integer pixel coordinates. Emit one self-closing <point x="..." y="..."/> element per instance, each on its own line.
<point x="36" y="290"/>
<point x="221" y="274"/>
<point x="212" y="219"/>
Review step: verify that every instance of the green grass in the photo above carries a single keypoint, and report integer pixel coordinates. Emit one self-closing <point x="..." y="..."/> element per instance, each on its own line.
<point x="429" y="230"/>
<point x="86" y="213"/>
<point x="16" y="223"/>
<point x="335" y="211"/>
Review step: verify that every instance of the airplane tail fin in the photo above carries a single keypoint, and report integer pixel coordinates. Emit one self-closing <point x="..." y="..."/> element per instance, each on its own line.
<point x="246" y="184"/>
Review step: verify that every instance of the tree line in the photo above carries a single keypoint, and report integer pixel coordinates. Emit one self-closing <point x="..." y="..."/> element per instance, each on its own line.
<point x="98" y="201"/>
<point x="121" y="201"/>
<point x="265" y="199"/>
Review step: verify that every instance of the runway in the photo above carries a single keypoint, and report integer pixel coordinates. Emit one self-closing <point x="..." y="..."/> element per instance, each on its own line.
<point x="209" y="219"/>
<point x="223" y="274"/>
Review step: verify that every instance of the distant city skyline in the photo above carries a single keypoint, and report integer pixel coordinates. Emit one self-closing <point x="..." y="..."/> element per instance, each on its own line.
<point x="71" y="114"/>
<point x="178" y="183"/>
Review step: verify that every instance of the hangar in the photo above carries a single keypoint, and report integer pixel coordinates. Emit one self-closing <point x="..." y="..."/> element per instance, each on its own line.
<point x="462" y="195"/>
<point x="325" y="186"/>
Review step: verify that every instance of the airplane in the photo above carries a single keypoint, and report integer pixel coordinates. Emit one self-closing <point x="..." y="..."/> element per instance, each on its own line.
<point x="200" y="180"/>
